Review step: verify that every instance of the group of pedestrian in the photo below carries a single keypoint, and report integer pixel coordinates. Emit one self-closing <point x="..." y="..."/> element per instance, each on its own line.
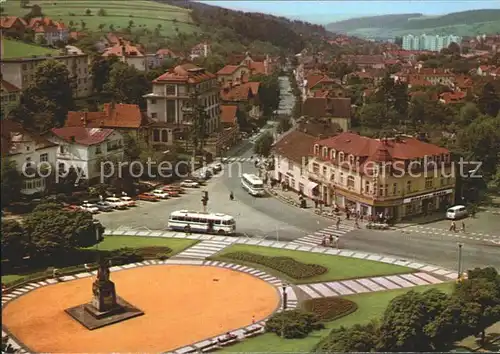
<point x="330" y="241"/>
<point x="453" y="227"/>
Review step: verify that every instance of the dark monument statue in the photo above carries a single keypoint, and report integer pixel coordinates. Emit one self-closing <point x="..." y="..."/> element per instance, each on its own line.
<point x="105" y="308"/>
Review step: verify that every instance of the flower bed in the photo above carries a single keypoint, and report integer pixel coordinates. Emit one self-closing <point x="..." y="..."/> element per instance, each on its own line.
<point x="330" y="308"/>
<point x="286" y="265"/>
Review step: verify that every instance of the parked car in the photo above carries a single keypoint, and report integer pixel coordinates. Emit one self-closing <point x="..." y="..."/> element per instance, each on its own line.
<point x="217" y="167"/>
<point x="117" y="203"/>
<point x="189" y="183"/>
<point x="104" y="206"/>
<point x="160" y="194"/>
<point x="171" y="192"/>
<point x="148" y="197"/>
<point x="174" y="187"/>
<point x="91" y="208"/>
<point x="72" y="208"/>
<point x="456" y="212"/>
<point x="129" y="201"/>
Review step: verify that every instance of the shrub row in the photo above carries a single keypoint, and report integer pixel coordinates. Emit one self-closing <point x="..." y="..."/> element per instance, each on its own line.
<point x="330" y="308"/>
<point x="286" y="265"/>
<point x="293" y="324"/>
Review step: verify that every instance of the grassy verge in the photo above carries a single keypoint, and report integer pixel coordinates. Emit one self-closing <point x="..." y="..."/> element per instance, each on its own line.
<point x="17" y="49"/>
<point x="338" y="267"/>
<point x="370" y="306"/>
<point x="109" y="243"/>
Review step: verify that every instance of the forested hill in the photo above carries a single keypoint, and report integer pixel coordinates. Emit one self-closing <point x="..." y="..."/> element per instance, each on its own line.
<point x="251" y="26"/>
<point x="461" y="23"/>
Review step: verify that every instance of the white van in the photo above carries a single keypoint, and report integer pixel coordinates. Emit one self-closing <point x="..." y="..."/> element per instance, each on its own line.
<point x="456" y="212"/>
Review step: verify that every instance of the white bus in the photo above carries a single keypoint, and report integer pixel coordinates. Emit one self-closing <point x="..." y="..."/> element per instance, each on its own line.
<point x="252" y="184"/>
<point x="197" y="221"/>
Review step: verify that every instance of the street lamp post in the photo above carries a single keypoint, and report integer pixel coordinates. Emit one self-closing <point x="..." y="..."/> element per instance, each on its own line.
<point x="97" y="235"/>
<point x="285" y="296"/>
<point x="460" y="260"/>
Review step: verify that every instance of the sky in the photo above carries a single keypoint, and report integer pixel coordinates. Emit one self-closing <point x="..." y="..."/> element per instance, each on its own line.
<point x="339" y="10"/>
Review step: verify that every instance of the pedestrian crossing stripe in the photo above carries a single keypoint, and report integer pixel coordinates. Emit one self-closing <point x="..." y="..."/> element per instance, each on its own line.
<point x="316" y="238"/>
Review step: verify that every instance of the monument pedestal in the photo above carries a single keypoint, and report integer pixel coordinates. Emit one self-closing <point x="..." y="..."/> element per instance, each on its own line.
<point x="105" y="308"/>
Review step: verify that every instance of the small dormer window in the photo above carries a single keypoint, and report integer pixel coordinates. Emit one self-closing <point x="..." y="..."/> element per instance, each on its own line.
<point x="316" y="149"/>
<point x="333" y="154"/>
<point x="341" y="157"/>
<point x="351" y="159"/>
<point x="325" y="152"/>
<point x="27" y="148"/>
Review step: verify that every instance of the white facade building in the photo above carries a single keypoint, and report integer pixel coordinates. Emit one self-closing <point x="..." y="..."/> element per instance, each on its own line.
<point x="85" y="149"/>
<point x="429" y="42"/>
<point x="34" y="156"/>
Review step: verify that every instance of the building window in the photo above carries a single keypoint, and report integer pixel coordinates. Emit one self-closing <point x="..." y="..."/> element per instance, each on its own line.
<point x="153" y="101"/>
<point x="332" y="154"/>
<point x="342" y="179"/>
<point x="315" y="168"/>
<point x="350" y="182"/>
<point x="383" y="190"/>
<point x="408" y="187"/>
<point x="164" y="136"/>
<point x="301" y="187"/>
<point x="62" y="149"/>
<point x="170" y="90"/>
<point x="290" y="165"/>
<point x="44" y="157"/>
<point x="332" y="176"/>
<point x="154" y="115"/>
<point x="428" y="182"/>
<point x="341" y="157"/>
<point x="325" y="152"/>
<point x="367" y="187"/>
<point x="325" y="171"/>
<point x="316" y="149"/>
<point x="170" y="111"/>
<point x="156" y="135"/>
<point x="394" y="189"/>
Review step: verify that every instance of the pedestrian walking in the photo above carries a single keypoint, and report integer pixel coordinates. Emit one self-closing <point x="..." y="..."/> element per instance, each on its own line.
<point x="331" y="239"/>
<point x="187" y="229"/>
<point x="338" y="223"/>
<point x="337" y="241"/>
<point x="323" y="242"/>
<point x="453" y="226"/>
<point x="356" y="223"/>
<point x="463" y="227"/>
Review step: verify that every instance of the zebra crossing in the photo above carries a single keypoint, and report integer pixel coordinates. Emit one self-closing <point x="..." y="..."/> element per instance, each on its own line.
<point x="239" y="159"/>
<point x="365" y="285"/>
<point x="205" y="249"/>
<point x="317" y="237"/>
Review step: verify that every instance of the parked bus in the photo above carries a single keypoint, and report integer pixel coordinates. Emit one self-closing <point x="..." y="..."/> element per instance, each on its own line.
<point x="253" y="184"/>
<point x="197" y="221"/>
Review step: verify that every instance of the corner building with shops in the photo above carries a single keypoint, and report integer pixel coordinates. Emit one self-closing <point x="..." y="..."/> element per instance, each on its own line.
<point x="398" y="177"/>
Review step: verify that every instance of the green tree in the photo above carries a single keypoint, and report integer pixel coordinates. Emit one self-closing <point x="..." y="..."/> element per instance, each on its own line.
<point x="55" y="232"/>
<point x="358" y="338"/>
<point x="11" y="182"/>
<point x="127" y="84"/>
<point x="102" y="12"/>
<point x="88" y="12"/>
<point x="100" y="70"/>
<point x="14" y="241"/>
<point x="50" y="94"/>
<point x="489" y="100"/>
<point x="404" y="322"/>
<point x="468" y="113"/>
<point x="372" y="115"/>
<point x="269" y="92"/>
<point x="132" y="148"/>
<point x="483" y="296"/>
<point x="264" y="144"/>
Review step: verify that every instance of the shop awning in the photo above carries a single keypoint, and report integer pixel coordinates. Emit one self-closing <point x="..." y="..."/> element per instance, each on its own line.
<point x="309" y="188"/>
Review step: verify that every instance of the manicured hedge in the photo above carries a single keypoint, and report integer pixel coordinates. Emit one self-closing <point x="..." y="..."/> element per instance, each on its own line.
<point x="286" y="265"/>
<point x="330" y="308"/>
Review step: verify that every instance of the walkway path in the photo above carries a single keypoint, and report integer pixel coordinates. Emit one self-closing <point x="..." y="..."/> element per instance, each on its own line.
<point x="317" y="237"/>
<point x="205" y="249"/>
<point x="366" y="285"/>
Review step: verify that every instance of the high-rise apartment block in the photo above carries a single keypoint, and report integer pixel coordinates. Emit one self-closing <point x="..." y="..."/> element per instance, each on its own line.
<point x="432" y="43"/>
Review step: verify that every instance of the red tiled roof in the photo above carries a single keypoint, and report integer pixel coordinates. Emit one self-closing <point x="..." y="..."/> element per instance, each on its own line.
<point x="167" y="52"/>
<point x="228" y="70"/>
<point x="294" y="146"/>
<point x="9" y="21"/>
<point x="83" y="136"/>
<point x="258" y="67"/>
<point x="124" y="49"/>
<point x="378" y="150"/>
<point x="452" y="97"/>
<point x="7" y="86"/>
<point x="327" y="107"/>
<point x="188" y="73"/>
<point x="228" y="113"/>
<point x="121" y="116"/>
<point x="242" y="92"/>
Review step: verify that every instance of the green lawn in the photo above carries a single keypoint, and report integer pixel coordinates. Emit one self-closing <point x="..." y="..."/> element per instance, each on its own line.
<point x="145" y="14"/>
<point x="115" y="242"/>
<point x="370" y="306"/>
<point x="338" y="267"/>
<point x="17" y="49"/>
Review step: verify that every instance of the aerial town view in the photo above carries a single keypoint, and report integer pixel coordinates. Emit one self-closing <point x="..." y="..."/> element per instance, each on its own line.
<point x="185" y="176"/>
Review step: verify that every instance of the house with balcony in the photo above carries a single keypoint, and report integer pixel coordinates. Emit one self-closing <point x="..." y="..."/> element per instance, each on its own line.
<point x="171" y="106"/>
<point x="85" y="149"/>
<point x="34" y="156"/>
<point x="398" y="177"/>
